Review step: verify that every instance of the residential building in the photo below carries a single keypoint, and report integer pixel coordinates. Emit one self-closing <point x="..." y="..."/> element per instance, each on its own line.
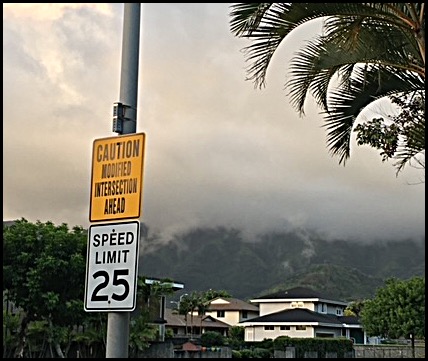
<point x="182" y="326"/>
<point x="301" y="312"/>
<point x="231" y="311"/>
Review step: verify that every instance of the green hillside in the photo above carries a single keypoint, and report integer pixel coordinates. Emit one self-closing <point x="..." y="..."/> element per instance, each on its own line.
<point x="334" y="281"/>
<point x="219" y="258"/>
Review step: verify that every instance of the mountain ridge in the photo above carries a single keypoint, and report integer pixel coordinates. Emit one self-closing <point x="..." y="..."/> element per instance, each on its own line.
<point x="219" y="258"/>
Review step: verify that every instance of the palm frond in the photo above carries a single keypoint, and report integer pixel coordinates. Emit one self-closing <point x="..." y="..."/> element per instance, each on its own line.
<point x="312" y="69"/>
<point x="268" y="24"/>
<point x="246" y="17"/>
<point x="314" y="66"/>
<point x="365" y="88"/>
<point x="378" y="40"/>
<point x="374" y="49"/>
<point x="406" y="156"/>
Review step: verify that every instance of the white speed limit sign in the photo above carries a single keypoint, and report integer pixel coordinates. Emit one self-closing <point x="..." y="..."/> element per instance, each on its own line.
<point x="112" y="267"/>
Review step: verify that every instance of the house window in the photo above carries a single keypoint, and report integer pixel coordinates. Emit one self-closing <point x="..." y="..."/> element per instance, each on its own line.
<point x="269" y="328"/>
<point x="244" y="314"/>
<point x="300" y="328"/>
<point x="324" y="308"/>
<point x="284" y="328"/>
<point x="338" y="311"/>
<point x="220" y="313"/>
<point x="325" y="335"/>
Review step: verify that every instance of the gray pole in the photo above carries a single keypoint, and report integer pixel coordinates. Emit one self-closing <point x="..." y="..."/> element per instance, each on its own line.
<point x="129" y="71"/>
<point x="118" y="322"/>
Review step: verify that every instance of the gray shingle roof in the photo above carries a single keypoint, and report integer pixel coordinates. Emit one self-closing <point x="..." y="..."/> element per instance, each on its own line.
<point x="234" y="304"/>
<point x="296" y="315"/>
<point x="296" y="293"/>
<point x="350" y="320"/>
<point x="174" y="319"/>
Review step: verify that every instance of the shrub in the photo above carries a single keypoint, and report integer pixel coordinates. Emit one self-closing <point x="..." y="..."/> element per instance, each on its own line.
<point x="321" y="345"/>
<point x="212" y="338"/>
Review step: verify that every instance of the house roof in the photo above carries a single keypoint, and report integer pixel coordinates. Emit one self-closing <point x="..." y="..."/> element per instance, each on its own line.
<point x="299" y="315"/>
<point x="297" y="293"/>
<point x="189" y="346"/>
<point x="174" y="319"/>
<point x="350" y="320"/>
<point x="230" y="304"/>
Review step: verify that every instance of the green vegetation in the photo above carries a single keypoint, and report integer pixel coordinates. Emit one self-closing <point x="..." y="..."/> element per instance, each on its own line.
<point x="341" y="346"/>
<point x="44" y="275"/>
<point x="198" y="301"/>
<point x="365" y="52"/>
<point x="263" y="349"/>
<point x="342" y="283"/>
<point x="408" y="124"/>
<point x="236" y="337"/>
<point x="44" y="268"/>
<point x="212" y="338"/>
<point x="221" y="259"/>
<point x="354" y="308"/>
<point x="397" y="310"/>
<point x="44" y="278"/>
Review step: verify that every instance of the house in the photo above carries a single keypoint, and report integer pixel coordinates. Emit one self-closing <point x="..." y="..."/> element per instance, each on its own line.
<point x="231" y="311"/>
<point x="184" y="326"/>
<point x="301" y="312"/>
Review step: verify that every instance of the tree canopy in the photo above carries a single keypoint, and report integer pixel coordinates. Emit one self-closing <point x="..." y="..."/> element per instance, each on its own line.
<point x="44" y="278"/>
<point x="397" y="310"/>
<point x="44" y="273"/>
<point x="44" y="269"/>
<point x="366" y="52"/>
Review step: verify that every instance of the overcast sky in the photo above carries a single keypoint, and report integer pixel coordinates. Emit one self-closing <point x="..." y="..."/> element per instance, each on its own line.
<point x="218" y="151"/>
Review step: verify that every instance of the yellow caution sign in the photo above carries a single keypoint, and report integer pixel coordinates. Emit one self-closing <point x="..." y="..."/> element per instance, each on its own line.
<point x="117" y="177"/>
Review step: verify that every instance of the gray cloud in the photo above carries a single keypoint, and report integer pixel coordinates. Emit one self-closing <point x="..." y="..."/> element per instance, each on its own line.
<point x="219" y="152"/>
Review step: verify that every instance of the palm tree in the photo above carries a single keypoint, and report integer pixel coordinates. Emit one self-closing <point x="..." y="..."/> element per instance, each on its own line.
<point x="194" y="300"/>
<point x="184" y="307"/>
<point x="375" y="50"/>
<point x="203" y="307"/>
<point x="145" y="323"/>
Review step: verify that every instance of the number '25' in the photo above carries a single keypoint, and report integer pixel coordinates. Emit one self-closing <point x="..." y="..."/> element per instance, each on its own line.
<point x="116" y="282"/>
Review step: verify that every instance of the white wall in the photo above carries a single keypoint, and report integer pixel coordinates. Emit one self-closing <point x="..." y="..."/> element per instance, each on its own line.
<point x="230" y="317"/>
<point x="258" y="333"/>
<point x="271" y="307"/>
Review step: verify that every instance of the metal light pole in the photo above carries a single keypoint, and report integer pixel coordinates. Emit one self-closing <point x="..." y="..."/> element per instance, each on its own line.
<point x="179" y="301"/>
<point x="118" y="322"/>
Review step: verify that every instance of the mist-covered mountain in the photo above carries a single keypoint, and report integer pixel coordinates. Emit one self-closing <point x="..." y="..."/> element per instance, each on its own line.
<point x="220" y="259"/>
